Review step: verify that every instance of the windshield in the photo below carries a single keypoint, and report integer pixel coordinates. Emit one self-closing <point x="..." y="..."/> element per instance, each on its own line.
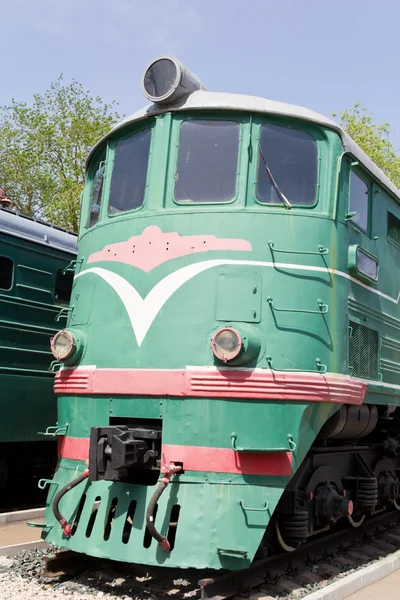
<point x="287" y="166"/>
<point x="129" y="175"/>
<point x="207" y="161"/>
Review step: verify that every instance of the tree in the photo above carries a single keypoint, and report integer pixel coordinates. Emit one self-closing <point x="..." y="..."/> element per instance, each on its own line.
<point x="44" y="146"/>
<point x="373" y="138"/>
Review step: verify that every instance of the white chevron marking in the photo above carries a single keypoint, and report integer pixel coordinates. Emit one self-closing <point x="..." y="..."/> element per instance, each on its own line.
<point x="143" y="311"/>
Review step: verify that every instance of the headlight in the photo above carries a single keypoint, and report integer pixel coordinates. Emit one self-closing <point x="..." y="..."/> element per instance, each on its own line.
<point x="160" y="78"/>
<point x="62" y="345"/>
<point x="166" y="80"/>
<point x="226" y="344"/>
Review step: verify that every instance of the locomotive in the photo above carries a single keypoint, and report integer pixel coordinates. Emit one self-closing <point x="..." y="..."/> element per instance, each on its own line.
<point x="229" y="374"/>
<point x="34" y="290"/>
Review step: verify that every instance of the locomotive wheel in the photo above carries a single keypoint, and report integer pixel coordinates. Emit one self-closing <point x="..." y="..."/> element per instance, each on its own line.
<point x="286" y="547"/>
<point x="356" y="520"/>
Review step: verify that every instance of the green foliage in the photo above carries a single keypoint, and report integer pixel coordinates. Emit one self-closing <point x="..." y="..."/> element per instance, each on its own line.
<point x="44" y="146"/>
<point x="373" y="138"/>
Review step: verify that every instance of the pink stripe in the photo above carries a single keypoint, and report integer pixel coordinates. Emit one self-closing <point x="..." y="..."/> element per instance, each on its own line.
<point x="152" y="248"/>
<point x="74" y="448"/>
<point x="213" y="383"/>
<point x="225" y="460"/>
<point x="199" y="458"/>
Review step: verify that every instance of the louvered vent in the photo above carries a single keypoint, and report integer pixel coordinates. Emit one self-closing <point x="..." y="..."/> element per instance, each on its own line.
<point x="363" y="351"/>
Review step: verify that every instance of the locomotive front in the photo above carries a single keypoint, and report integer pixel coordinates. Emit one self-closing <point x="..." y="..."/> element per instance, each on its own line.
<point x="204" y="346"/>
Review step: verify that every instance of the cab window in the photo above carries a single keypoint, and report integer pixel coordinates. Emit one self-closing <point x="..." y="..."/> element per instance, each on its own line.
<point x="96" y="193"/>
<point x="287" y="166"/>
<point x="6" y="273"/>
<point x="129" y="175"/>
<point x="63" y="287"/>
<point x="393" y="228"/>
<point x="207" y="161"/>
<point x="359" y="196"/>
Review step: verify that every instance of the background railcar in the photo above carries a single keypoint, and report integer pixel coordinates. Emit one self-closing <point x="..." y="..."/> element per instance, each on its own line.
<point x="234" y="330"/>
<point x="33" y="291"/>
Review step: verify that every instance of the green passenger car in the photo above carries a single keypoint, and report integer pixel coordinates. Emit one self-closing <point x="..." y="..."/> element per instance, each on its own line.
<point x="33" y="291"/>
<point x="230" y="365"/>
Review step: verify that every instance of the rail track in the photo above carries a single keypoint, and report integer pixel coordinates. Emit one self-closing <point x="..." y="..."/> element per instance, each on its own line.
<point x="311" y="567"/>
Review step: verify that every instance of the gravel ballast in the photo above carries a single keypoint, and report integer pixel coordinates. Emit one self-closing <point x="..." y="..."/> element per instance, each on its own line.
<point x="294" y="578"/>
<point x="20" y="580"/>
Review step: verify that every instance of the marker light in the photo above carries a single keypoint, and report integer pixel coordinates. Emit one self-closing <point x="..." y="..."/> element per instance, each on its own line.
<point x="62" y="345"/>
<point x="362" y="264"/>
<point x="166" y="80"/>
<point x="226" y="344"/>
<point x="367" y="265"/>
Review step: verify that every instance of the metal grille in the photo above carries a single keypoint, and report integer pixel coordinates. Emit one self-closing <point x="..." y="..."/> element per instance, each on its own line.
<point x="363" y="351"/>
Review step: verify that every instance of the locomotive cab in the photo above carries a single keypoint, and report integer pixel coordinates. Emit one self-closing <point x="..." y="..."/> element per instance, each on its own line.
<point x="215" y="359"/>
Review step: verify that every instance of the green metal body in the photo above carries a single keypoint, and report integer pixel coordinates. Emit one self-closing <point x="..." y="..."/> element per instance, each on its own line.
<point x="28" y="312"/>
<point x="293" y="291"/>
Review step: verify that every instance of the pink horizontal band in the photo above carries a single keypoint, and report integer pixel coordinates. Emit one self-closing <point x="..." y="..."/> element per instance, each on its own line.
<point x="260" y="384"/>
<point x="200" y="458"/>
<point x="226" y="460"/>
<point x="74" y="448"/>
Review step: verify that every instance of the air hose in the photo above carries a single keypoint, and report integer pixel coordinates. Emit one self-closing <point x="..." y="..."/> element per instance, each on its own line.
<point x="167" y="470"/>
<point x="66" y="527"/>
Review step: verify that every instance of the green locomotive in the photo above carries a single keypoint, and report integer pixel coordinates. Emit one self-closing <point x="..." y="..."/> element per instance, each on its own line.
<point x="234" y="331"/>
<point x="33" y="291"/>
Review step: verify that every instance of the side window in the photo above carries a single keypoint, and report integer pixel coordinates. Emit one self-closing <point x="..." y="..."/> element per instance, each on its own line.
<point x="394" y="228"/>
<point x="359" y="201"/>
<point x="129" y="175"/>
<point x="6" y="273"/>
<point x="63" y="289"/>
<point x="96" y="193"/>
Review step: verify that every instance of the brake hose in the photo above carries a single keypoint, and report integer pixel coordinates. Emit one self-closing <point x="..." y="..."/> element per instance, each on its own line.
<point x="66" y="527"/>
<point x="167" y="471"/>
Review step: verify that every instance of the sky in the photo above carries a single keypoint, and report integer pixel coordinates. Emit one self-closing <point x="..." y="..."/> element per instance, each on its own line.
<point x="323" y="54"/>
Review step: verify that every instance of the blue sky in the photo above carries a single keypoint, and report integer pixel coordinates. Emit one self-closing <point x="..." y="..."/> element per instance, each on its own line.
<point x="323" y="54"/>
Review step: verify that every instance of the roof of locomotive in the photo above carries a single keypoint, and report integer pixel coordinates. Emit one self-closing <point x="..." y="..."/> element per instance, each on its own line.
<point x="201" y="99"/>
<point x="39" y="232"/>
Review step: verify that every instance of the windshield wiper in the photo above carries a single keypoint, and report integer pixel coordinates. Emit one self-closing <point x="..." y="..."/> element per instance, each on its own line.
<point x="281" y="195"/>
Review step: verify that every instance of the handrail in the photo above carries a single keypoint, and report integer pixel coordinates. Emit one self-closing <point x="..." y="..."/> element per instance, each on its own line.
<point x="321" y="250"/>
<point x="64" y="312"/>
<point x="246" y="508"/>
<point x="323" y="308"/>
<point x="54" y="430"/>
<point x="321" y="368"/>
<point x="43" y="483"/>
<point x="231" y="552"/>
<point x="54" y="364"/>
<point x="70" y="268"/>
<point x="291" y="444"/>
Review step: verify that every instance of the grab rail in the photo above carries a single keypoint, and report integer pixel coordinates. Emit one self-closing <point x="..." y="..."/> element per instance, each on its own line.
<point x="321" y="250"/>
<point x="53" y="366"/>
<point x="321" y="368"/>
<point x="54" y="430"/>
<point x="70" y="268"/>
<point x="263" y="509"/>
<point x="323" y="308"/>
<point x="291" y="444"/>
<point x="64" y="312"/>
